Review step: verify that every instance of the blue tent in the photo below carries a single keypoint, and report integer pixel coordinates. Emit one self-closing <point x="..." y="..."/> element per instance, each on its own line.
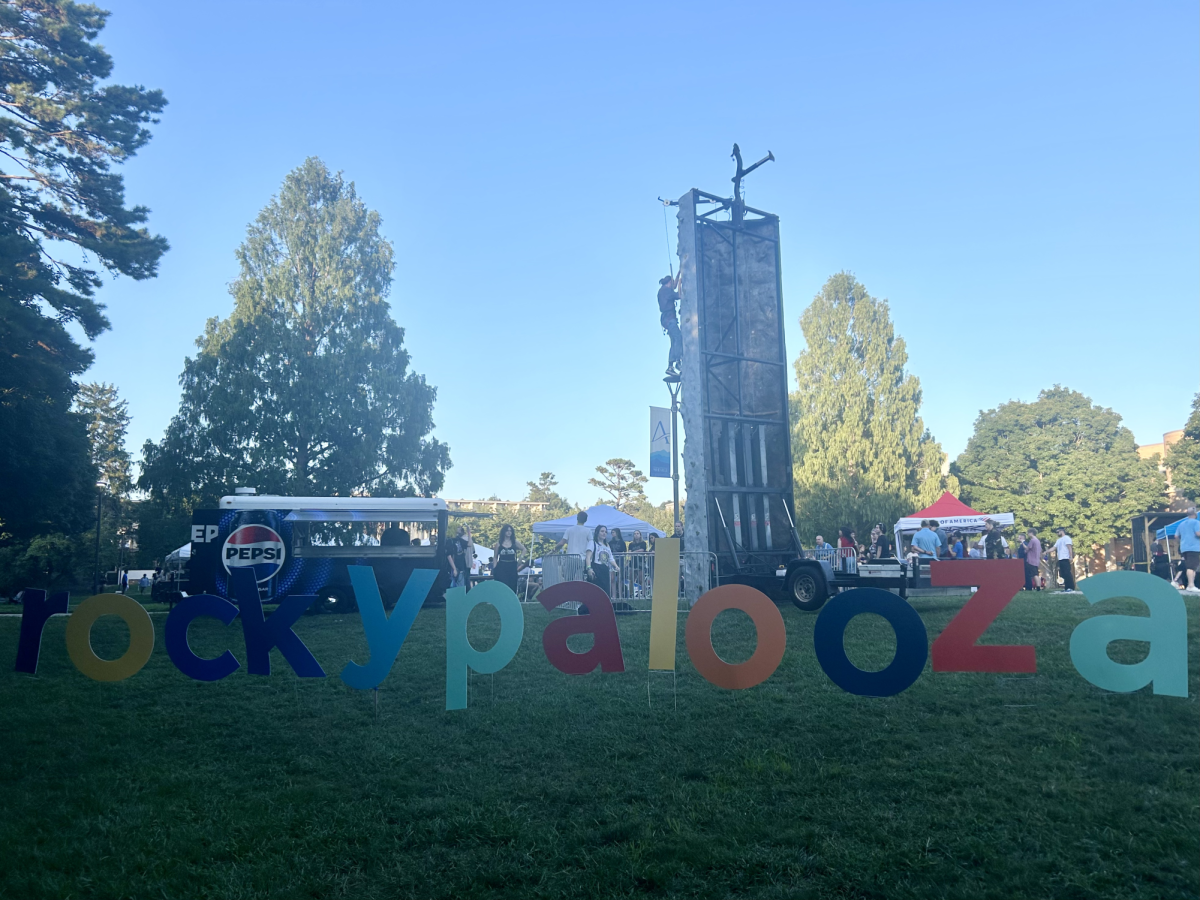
<point x="1169" y="531"/>
<point x="598" y="515"/>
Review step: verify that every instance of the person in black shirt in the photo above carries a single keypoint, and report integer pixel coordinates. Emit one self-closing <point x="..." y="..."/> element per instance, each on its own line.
<point x="457" y="557"/>
<point x="883" y="544"/>
<point x="637" y="545"/>
<point x="395" y="536"/>
<point x="669" y="319"/>
<point x="505" y="554"/>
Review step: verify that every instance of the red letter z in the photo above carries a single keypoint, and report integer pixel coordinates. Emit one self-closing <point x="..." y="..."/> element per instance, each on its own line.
<point x="955" y="649"/>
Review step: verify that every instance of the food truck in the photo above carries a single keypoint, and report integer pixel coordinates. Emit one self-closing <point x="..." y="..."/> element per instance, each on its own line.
<point x="303" y="545"/>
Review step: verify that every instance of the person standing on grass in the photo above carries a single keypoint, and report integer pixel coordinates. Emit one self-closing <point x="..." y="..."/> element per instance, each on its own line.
<point x="1064" y="552"/>
<point x="637" y="545"/>
<point x="457" y="555"/>
<point x="925" y="542"/>
<point x="1188" y="532"/>
<point x="505" y="553"/>
<point x="943" y="538"/>
<point x="576" y="538"/>
<point x="143" y="583"/>
<point x="1033" y="560"/>
<point x="598" y="563"/>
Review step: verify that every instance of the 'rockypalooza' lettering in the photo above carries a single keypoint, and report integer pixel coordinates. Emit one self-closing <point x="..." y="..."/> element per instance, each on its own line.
<point x="956" y="649"/>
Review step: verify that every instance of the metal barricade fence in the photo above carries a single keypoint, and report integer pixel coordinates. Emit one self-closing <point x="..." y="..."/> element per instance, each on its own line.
<point x="843" y="559"/>
<point x="631" y="583"/>
<point x="560" y="567"/>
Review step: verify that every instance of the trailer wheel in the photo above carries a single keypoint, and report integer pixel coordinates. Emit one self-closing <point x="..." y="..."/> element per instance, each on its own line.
<point x="805" y="591"/>
<point x="332" y="600"/>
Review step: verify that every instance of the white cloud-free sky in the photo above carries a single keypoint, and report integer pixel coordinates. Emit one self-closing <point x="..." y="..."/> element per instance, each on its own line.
<point x="1019" y="180"/>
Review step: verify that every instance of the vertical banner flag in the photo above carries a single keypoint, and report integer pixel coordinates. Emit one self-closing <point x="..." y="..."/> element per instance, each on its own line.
<point x="660" y="442"/>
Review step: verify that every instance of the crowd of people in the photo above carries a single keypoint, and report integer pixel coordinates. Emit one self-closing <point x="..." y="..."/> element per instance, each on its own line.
<point x="932" y="542"/>
<point x="603" y="554"/>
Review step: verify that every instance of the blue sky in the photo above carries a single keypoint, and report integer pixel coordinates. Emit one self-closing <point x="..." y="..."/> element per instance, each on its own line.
<point x="1020" y="181"/>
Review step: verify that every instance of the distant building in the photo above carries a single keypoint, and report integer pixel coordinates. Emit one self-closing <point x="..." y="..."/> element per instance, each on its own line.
<point x="495" y="505"/>
<point x="1149" y="451"/>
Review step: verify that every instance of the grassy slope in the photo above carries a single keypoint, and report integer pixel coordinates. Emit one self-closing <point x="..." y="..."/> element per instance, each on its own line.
<point x="963" y="786"/>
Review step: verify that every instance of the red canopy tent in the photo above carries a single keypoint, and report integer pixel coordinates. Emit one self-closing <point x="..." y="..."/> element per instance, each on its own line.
<point x="951" y="514"/>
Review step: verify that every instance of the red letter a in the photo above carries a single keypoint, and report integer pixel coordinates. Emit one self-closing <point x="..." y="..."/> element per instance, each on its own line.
<point x="599" y="621"/>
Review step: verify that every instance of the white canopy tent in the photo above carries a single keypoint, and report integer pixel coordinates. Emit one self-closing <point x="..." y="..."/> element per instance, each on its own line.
<point x="607" y="516"/>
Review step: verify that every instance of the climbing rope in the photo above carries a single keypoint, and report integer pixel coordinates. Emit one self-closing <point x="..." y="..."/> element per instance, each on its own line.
<point x="667" y="235"/>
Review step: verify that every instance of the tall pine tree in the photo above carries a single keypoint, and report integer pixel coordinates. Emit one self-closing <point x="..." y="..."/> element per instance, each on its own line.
<point x="65" y="127"/>
<point x="861" y="452"/>
<point x="107" y="422"/>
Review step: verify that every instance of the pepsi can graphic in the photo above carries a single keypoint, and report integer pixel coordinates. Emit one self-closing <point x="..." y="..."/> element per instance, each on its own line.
<point x="256" y="543"/>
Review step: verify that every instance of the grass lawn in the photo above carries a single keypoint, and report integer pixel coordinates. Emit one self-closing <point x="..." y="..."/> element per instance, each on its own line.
<point x="965" y="785"/>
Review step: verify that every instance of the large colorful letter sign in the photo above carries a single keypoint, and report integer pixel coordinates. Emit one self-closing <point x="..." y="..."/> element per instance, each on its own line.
<point x="912" y="648"/>
<point x="955" y="649"/>
<point x="600" y="621"/>
<point x="34" y="614"/>
<point x="460" y="654"/>
<point x="79" y="637"/>
<point x="664" y="604"/>
<point x="768" y="625"/>
<point x="385" y="636"/>
<point x="263" y="634"/>
<point x="180" y="651"/>
<point x="1165" y="629"/>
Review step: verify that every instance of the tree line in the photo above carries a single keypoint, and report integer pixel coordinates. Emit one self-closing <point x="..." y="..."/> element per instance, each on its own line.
<point x="306" y="388"/>
<point x="862" y="454"/>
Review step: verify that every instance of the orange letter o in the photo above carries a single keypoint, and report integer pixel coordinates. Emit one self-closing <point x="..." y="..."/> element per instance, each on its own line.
<point x="768" y="623"/>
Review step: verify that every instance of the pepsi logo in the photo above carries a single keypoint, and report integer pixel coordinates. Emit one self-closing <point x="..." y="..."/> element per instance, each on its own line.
<point x="256" y="547"/>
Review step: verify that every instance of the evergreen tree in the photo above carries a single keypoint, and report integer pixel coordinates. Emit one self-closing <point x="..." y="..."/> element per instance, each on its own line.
<point x="622" y="482"/>
<point x="542" y="491"/>
<point x="107" y="419"/>
<point x="1059" y="461"/>
<point x="304" y="389"/>
<point x="1183" y="458"/>
<point x="62" y="130"/>
<point x="861" y="452"/>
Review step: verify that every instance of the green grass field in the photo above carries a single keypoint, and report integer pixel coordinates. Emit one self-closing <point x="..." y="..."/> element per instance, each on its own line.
<point x="965" y="785"/>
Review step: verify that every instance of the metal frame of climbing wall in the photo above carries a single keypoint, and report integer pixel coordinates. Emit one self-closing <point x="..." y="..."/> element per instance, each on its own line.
<point x="736" y="310"/>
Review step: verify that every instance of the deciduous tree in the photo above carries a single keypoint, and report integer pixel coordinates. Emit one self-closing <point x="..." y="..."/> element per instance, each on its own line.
<point x="1059" y="461"/>
<point x="861" y="453"/>
<point x="1183" y="458"/>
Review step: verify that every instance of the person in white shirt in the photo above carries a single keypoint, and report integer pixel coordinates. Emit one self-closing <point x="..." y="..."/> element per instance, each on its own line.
<point x="576" y="537"/>
<point x="1064" y="551"/>
<point x="599" y="563"/>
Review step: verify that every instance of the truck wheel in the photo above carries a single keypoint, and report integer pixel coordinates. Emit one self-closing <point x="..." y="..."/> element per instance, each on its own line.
<point x="805" y="591"/>
<point x="332" y="600"/>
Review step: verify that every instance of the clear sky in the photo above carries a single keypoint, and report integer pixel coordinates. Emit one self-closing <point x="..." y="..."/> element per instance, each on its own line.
<point x="1020" y="181"/>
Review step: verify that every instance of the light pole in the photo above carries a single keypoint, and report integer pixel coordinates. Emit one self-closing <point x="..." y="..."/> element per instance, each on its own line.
<point x="673" y="387"/>
<point x="101" y="484"/>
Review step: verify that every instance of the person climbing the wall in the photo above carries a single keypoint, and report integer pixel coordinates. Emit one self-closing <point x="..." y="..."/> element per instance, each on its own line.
<point x="669" y="318"/>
